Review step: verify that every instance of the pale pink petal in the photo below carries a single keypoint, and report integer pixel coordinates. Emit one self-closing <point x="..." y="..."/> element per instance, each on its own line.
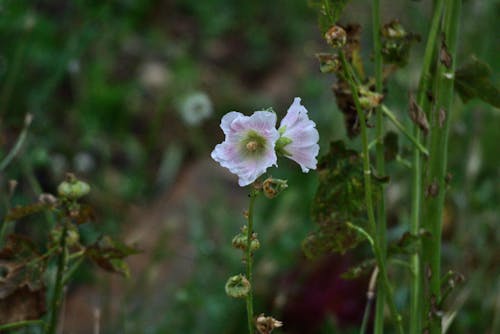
<point x="227" y="119"/>
<point x="231" y="155"/>
<point x="304" y="137"/>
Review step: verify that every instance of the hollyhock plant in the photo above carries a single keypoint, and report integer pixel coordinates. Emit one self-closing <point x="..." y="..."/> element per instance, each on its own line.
<point x="249" y="147"/>
<point x="299" y="137"/>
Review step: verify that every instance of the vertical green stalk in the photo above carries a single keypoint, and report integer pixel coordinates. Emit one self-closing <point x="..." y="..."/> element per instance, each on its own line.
<point x="249" y="260"/>
<point x="380" y="164"/>
<point x="56" y="302"/>
<point x="416" y="296"/>
<point x="369" y="194"/>
<point x="435" y="180"/>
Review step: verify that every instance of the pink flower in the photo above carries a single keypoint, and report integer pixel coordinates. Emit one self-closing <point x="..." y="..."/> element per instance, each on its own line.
<point x="299" y="137"/>
<point x="249" y="147"/>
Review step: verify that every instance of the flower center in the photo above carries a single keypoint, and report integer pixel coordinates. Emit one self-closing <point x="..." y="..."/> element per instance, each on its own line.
<point x="252" y="146"/>
<point x="253" y="143"/>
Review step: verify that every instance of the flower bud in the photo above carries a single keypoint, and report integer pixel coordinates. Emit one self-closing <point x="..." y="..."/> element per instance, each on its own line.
<point x="265" y="325"/>
<point x="328" y="63"/>
<point x="336" y="37"/>
<point x="237" y="286"/>
<point x="73" y="188"/>
<point x="240" y="241"/>
<point x="273" y="187"/>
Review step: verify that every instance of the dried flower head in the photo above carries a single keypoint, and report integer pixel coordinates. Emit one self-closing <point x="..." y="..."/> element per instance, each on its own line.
<point x="195" y="108"/>
<point x="248" y="149"/>
<point x="265" y="325"/>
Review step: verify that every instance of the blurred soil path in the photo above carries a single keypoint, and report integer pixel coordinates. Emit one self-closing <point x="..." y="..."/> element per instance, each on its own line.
<point x="158" y="228"/>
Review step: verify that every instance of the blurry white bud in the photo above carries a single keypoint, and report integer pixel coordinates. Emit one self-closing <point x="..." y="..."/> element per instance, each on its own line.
<point x="29" y="21"/>
<point x="74" y="66"/>
<point x="83" y="162"/>
<point x="195" y="108"/>
<point x="154" y="75"/>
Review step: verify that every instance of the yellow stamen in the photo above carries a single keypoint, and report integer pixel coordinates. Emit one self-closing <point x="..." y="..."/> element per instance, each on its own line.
<point x="252" y="146"/>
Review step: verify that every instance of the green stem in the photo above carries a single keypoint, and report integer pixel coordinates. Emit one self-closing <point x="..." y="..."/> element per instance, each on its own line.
<point x="17" y="146"/>
<point x="249" y="260"/>
<point x="402" y="128"/>
<point x="434" y="203"/>
<point x="416" y="294"/>
<point x="25" y="323"/>
<point x="380" y="164"/>
<point x="368" y="196"/>
<point x="59" y="284"/>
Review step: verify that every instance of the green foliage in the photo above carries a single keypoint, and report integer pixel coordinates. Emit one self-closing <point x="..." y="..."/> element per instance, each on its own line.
<point x="339" y="201"/>
<point x="329" y="12"/>
<point x="472" y="80"/>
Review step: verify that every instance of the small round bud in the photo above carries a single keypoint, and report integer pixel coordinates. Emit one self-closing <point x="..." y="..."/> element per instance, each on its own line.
<point x="73" y="188"/>
<point x="273" y="187"/>
<point x="237" y="286"/>
<point x="336" y="37"/>
<point x="240" y="241"/>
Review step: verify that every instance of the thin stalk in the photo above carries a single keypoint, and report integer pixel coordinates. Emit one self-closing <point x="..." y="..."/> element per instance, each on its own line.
<point x="370" y="294"/>
<point x="380" y="164"/>
<point x="249" y="260"/>
<point x="59" y="284"/>
<point x="434" y="203"/>
<point x="20" y="324"/>
<point x="416" y="294"/>
<point x="403" y="130"/>
<point x="368" y="196"/>
<point x="19" y="143"/>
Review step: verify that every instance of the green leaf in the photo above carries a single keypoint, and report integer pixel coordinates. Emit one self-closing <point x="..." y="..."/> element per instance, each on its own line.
<point x="329" y="12"/>
<point x="472" y="80"/>
<point x="339" y="202"/>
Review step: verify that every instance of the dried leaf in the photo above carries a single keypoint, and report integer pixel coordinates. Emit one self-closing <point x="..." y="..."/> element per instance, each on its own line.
<point x="26" y="210"/>
<point x="444" y="55"/>
<point x="364" y="268"/>
<point x="22" y="292"/>
<point x="109" y="254"/>
<point x="418" y="116"/>
<point x="391" y="146"/>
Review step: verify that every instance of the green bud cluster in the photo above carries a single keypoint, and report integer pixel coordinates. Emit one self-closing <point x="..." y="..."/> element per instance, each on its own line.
<point x="237" y="286"/>
<point x="73" y="188"/>
<point x="240" y="240"/>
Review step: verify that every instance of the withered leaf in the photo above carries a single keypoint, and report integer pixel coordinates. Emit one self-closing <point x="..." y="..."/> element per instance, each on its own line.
<point x="472" y="80"/>
<point x="391" y="146"/>
<point x="340" y="199"/>
<point x="109" y="254"/>
<point x="444" y="55"/>
<point x="22" y="292"/>
<point x="360" y="269"/>
<point x="27" y="210"/>
<point x="418" y="116"/>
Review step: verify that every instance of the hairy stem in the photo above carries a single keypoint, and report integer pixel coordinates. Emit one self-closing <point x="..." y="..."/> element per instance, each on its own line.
<point x="369" y="194"/>
<point x="249" y="260"/>
<point x="59" y="284"/>
<point x="416" y="294"/>
<point x="434" y="203"/>
<point x="380" y="164"/>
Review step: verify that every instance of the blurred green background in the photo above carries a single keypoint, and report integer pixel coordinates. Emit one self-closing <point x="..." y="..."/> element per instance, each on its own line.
<point x="129" y="94"/>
